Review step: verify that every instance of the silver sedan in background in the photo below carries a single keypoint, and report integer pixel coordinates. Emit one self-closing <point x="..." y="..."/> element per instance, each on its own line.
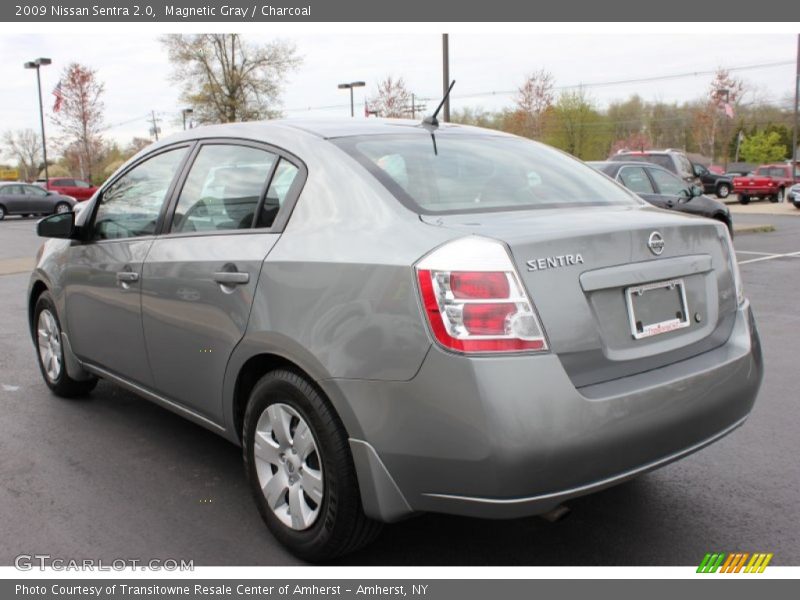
<point x="27" y="199"/>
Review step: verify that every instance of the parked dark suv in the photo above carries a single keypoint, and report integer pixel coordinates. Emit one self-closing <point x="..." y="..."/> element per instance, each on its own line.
<point x="713" y="183"/>
<point x="672" y="160"/>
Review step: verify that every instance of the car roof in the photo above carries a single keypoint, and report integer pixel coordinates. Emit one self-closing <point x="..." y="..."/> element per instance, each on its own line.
<point x="327" y="128"/>
<point x="618" y="164"/>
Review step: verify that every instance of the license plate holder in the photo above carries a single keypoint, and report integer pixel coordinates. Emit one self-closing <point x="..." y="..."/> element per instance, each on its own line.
<point x="656" y="308"/>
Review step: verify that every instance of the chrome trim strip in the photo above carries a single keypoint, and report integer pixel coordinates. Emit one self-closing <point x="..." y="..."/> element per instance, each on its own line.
<point x="153" y="397"/>
<point x="603" y="483"/>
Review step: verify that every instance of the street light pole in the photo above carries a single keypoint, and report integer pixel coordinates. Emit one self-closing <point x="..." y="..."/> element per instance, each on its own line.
<point x="795" y="139"/>
<point x="36" y="64"/>
<point x="350" y="86"/>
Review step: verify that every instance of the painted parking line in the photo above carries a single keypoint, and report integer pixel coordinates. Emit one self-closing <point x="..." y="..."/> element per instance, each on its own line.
<point x="754" y="252"/>
<point x="770" y="257"/>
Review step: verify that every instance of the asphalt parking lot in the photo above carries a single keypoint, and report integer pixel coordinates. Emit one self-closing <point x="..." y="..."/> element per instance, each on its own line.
<point x="113" y="476"/>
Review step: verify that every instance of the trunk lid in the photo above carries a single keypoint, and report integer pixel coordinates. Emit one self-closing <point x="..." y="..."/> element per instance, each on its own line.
<point x="589" y="270"/>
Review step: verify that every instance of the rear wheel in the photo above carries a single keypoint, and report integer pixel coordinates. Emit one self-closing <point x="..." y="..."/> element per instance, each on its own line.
<point x="2" y="212"/>
<point x="723" y="190"/>
<point x="744" y="199"/>
<point x="50" y="352"/>
<point x="301" y="473"/>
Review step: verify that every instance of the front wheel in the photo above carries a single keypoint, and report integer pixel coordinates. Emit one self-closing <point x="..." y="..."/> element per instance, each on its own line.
<point x="50" y="352"/>
<point x="779" y="196"/>
<point x="62" y="207"/>
<point x="298" y="462"/>
<point x="723" y="190"/>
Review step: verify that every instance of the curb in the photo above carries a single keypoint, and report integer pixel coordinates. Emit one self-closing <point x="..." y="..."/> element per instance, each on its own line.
<point x="766" y="228"/>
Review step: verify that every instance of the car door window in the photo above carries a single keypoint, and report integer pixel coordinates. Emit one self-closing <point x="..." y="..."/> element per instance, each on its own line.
<point x="667" y="183"/>
<point x="279" y="187"/>
<point x="12" y="190"/>
<point x="636" y="180"/>
<point x="223" y="188"/>
<point x="63" y="183"/>
<point x="130" y="206"/>
<point x="32" y="190"/>
<point x="81" y="184"/>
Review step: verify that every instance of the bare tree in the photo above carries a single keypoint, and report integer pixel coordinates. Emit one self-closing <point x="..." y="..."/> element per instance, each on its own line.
<point x="392" y="99"/>
<point x="26" y="146"/>
<point x="712" y="118"/>
<point x="226" y="79"/>
<point x="533" y="99"/>
<point x="80" y="117"/>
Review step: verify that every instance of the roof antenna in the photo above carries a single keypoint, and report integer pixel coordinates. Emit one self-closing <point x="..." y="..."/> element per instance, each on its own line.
<point x="432" y="120"/>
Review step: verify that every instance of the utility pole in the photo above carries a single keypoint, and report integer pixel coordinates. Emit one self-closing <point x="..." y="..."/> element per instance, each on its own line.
<point x="795" y="136"/>
<point x="155" y="128"/>
<point x="446" y="76"/>
<point x="350" y="86"/>
<point x="413" y="107"/>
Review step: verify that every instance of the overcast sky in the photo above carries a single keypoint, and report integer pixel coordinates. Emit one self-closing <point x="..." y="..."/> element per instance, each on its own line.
<point x="135" y="70"/>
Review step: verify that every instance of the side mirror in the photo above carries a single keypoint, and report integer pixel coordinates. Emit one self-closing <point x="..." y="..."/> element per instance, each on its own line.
<point x="61" y="225"/>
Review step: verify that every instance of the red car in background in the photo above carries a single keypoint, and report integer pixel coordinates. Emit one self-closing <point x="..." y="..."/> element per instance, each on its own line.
<point x="68" y="186"/>
<point x="767" y="181"/>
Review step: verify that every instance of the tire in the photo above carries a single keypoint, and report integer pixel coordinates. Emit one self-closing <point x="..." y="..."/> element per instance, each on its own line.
<point x="332" y="521"/>
<point x="2" y="212"/>
<point x="723" y="190"/>
<point x="779" y="196"/>
<point x="796" y="205"/>
<point x="744" y="199"/>
<point x="46" y="324"/>
<point x="62" y="207"/>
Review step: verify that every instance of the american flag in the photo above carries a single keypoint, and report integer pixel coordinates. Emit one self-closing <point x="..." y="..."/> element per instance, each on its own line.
<point x="59" y="97"/>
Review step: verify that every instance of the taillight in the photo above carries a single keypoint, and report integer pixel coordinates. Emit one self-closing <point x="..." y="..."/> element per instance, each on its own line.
<point x="474" y="301"/>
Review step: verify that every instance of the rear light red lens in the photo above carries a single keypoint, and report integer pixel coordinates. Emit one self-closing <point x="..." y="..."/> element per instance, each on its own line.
<point x="484" y="326"/>
<point x="479" y="285"/>
<point x="487" y="319"/>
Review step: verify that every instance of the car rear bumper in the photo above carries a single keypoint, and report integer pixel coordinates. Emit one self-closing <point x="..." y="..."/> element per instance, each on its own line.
<point x="505" y="437"/>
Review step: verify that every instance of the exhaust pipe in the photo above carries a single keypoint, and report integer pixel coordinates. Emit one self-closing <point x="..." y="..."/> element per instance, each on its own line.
<point x="556" y="514"/>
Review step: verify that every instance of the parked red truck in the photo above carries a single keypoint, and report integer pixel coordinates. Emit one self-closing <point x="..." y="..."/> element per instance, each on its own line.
<point x="767" y="181"/>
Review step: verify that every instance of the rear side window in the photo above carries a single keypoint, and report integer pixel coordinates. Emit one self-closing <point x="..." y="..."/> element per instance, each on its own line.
<point x="223" y="189"/>
<point x="279" y="187"/>
<point x="465" y="173"/>
<point x="636" y="180"/>
<point x="130" y="206"/>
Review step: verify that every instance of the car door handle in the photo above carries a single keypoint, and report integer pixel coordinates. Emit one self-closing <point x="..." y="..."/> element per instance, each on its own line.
<point x="127" y="277"/>
<point x="231" y="277"/>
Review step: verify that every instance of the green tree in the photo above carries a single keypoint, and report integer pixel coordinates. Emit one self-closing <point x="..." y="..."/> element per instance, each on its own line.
<point x="575" y="125"/>
<point x="763" y="147"/>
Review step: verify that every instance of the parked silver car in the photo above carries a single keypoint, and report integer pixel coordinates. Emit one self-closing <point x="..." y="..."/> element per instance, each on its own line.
<point x="17" y="198"/>
<point x="393" y="317"/>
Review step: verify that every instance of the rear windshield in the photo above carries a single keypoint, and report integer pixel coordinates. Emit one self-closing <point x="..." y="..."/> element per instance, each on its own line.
<point x="464" y="173"/>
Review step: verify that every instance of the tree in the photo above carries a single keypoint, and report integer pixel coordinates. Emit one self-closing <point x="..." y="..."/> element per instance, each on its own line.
<point x="226" y="79"/>
<point x="81" y="117"/>
<point x="392" y="100"/>
<point x="26" y="146"/>
<point x="712" y="119"/>
<point x="763" y="147"/>
<point x="533" y="98"/>
<point x="574" y="125"/>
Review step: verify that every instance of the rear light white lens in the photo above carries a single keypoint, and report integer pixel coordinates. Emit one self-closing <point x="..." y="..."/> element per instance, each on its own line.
<point x="474" y="301"/>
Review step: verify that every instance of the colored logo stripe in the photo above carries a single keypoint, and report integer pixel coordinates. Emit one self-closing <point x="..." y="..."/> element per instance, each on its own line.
<point x="734" y="562"/>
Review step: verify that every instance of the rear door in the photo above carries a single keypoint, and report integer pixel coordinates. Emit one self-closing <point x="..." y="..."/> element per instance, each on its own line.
<point x="200" y="275"/>
<point x="637" y="180"/>
<point x="38" y="200"/>
<point x="103" y="273"/>
<point x="13" y="199"/>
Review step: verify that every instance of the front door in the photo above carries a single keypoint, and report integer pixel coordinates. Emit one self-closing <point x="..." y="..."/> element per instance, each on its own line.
<point x="103" y="280"/>
<point x="200" y="276"/>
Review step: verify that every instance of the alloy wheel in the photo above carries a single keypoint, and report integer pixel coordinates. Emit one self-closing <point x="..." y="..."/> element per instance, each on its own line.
<point x="289" y="466"/>
<point x="49" y="342"/>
